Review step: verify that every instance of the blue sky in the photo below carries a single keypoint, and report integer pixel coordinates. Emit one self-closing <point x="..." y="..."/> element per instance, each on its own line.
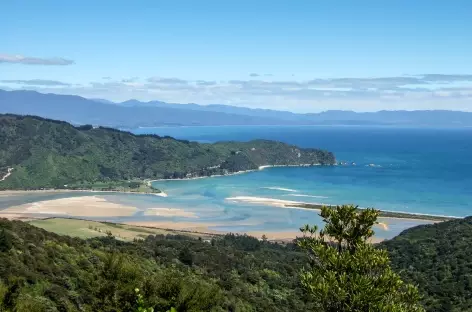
<point x="304" y="56"/>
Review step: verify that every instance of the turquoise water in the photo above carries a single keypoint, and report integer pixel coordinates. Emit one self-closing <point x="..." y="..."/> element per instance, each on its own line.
<point x="421" y="170"/>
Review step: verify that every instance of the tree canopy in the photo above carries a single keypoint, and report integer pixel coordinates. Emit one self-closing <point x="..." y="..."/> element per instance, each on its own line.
<point x="346" y="272"/>
<point x="437" y="257"/>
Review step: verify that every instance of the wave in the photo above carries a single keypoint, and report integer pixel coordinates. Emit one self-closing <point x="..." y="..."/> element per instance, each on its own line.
<point x="262" y="201"/>
<point x="279" y="189"/>
<point x="373" y="166"/>
<point x="303" y="195"/>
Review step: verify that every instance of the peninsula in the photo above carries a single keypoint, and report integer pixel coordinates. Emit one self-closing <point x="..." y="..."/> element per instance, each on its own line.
<point x="39" y="153"/>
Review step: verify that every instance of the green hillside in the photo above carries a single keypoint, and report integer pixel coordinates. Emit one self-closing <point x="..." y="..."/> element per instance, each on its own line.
<point x="48" y="153"/>
<point x="438" y="258"/>
<point x="42" y="271"/>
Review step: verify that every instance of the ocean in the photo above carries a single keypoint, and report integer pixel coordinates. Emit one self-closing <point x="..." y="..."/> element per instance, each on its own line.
<point x="417" y="170"/>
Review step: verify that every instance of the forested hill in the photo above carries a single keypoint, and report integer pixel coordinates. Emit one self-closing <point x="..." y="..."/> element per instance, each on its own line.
<point x="437" y="258"/>
<point x="49" y="153"/>
<point x="41" y="271"/>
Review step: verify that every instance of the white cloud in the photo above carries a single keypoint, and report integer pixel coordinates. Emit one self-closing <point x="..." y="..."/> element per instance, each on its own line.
<point x="26" y="60"/>
<point x="36" y="82"/>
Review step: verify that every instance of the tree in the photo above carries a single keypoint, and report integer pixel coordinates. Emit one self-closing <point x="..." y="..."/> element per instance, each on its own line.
<point x="346" y="272"/>
<point x="140" y="302"/>
<point x="5" y="241"/>
<point x="186" y="257"/>
<point x="264" y="238"/>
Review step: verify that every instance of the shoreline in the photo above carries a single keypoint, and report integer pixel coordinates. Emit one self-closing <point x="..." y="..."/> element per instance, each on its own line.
<point x="148" y="182"/>
<point x="260" y="168"/>
<point x="61" y="190"/>
<point x="196" y="230"/>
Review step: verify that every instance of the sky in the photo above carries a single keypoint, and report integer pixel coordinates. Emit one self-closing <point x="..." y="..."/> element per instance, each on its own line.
<point x="302" y="56"/>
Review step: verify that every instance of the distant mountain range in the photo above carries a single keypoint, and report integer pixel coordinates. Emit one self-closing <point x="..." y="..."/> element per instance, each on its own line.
<point x="133" y="113"/>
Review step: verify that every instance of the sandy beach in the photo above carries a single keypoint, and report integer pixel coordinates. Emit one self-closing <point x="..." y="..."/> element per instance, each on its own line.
<point x="201" y="227"/>
<point x="55" y="191"/>
<point x="235" y="173"/>
<point x="206" y="228"/>
<point x="281" y="203"/>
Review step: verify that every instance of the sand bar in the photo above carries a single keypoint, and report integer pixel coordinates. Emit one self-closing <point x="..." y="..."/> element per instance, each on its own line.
<point x="169" y="212"/>
<point x="83" y="206"/>
<point x="263" y="201"/>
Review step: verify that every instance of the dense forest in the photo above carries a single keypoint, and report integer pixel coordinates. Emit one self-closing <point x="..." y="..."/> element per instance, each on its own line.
<point x="438" y="258"/>
<point x="47" y="153"/>
<point x="42" y="271"/>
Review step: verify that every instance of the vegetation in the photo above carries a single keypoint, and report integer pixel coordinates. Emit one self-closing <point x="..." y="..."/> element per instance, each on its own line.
<point x="437" y="258"/>
<point x="347" y="273"/>
<point x="42" y="271"/>
<point x="89" y="229"/>
<point x="51" y="154"/>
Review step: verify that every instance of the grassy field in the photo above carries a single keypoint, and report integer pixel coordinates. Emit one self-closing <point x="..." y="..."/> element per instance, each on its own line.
<point x="88" y="229"/>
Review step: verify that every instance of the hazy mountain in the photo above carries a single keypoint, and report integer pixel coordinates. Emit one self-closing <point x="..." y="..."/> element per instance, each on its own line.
<point x="419" y="117"/>
<point x="78" y="110"/>
<point x="228" y="109"/>
<point x="134" y="113"/>
<point x="103" y="101"/>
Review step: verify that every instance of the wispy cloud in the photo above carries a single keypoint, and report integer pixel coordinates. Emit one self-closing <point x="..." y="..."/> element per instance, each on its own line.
<point x="160" y="80"/>
<point x="128" y="80"/>
<point x="27" y="60"/>
<point x="37" y="82"/>
<point x="205" y="83"/>
<point x="254" y="75"/>
<point x="446" y="78"/>
<point x="429" y="91"/>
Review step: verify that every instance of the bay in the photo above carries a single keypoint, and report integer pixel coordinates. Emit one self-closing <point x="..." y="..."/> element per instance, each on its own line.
<point x="418" y="170"/>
